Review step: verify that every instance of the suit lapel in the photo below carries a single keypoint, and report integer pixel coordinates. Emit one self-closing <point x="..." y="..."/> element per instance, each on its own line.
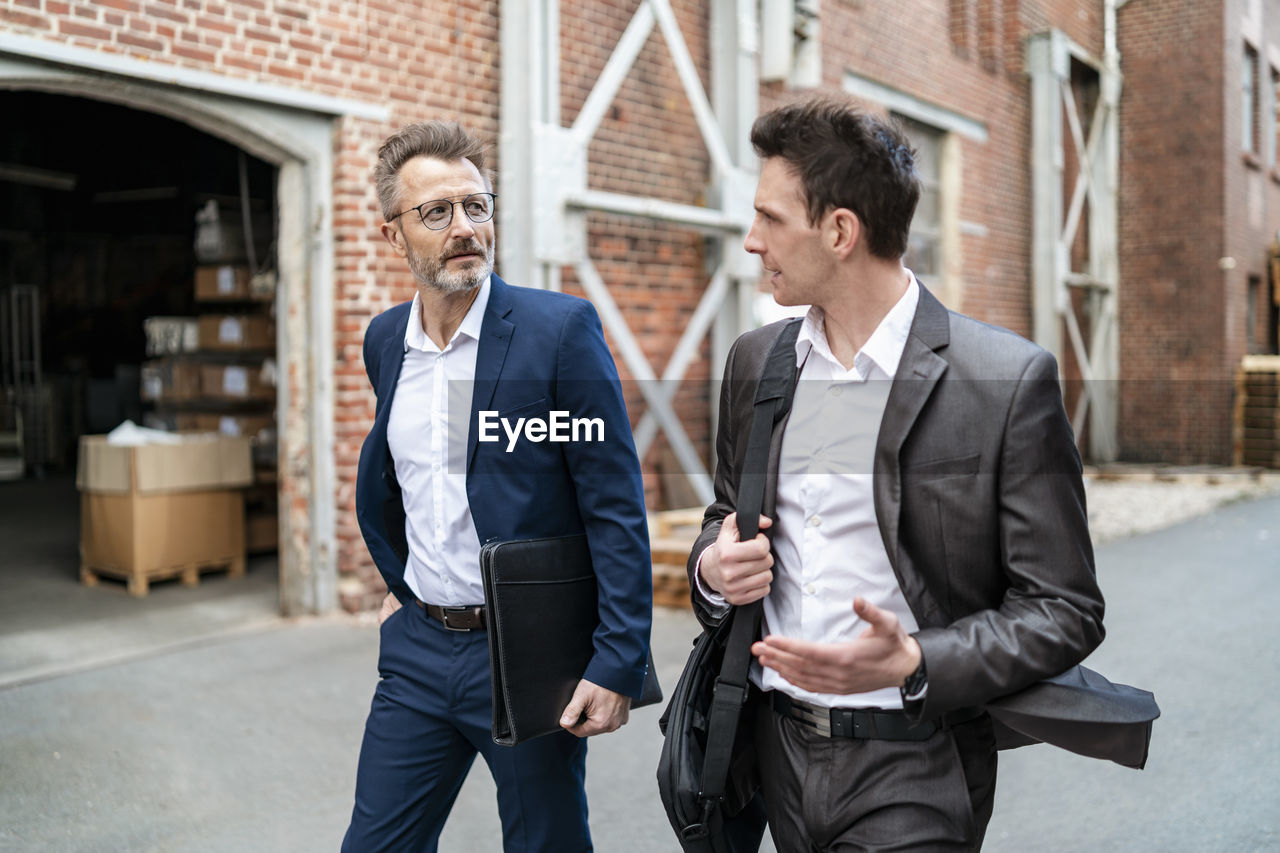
<point x="769" y="506"/>
<point x="392" y="360"/>
<point x="918" y="373"/>
<point x="495" y="339"/>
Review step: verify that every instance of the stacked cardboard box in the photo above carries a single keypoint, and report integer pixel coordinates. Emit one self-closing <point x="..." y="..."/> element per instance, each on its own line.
<point x="236" y="333"/>
<point x="218" y="375"/>
<point x="170" y="380"/>
<point x="227" y="283"/>
<point x="237" y="382"/>
<point x="243" y="332"/>
<point x="157" y="511"/>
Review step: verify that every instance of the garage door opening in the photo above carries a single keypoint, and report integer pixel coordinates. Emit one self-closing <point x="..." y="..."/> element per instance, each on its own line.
<point x="137" y="282"/>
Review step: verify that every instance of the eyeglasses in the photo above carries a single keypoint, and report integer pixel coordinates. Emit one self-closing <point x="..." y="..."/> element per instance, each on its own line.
<point x="437" y="214"/>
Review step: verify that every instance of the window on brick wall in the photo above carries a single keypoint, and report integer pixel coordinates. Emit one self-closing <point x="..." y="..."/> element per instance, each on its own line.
<point x="924" y="247"/>
<point x="962" y="24"/>
<point x="1251" y="314"/>
<point x="1249" y="100"/>
<point x="1272" y="134"/>
<point x="991" y="33"/>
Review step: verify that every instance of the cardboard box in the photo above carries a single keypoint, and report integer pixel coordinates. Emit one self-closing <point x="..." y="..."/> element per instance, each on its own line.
<point x="234" y="332"/>
<point x="162" y="510"/>
<point x="146" y="537"/>
<point x="224" y="282"/>
<point x="198" y="463"/>
<point x="260" y="429"/>
<point x="169" y="380"/>
<point x="250" y="426"/>
<point x="235" y="382"/>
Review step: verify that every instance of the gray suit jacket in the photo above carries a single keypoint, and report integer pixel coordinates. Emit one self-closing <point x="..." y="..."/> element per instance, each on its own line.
<point x="979" y="500"/>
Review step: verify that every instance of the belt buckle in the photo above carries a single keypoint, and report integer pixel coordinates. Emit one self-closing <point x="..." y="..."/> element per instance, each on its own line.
<point x="813" y="715"/>
<point x="444" y="613"/>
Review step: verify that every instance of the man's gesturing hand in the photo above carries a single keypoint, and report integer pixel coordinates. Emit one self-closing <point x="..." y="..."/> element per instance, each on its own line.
<point x="594" y="710"/>
<point x="883" y="656"/>
<point x="740" y="571"/>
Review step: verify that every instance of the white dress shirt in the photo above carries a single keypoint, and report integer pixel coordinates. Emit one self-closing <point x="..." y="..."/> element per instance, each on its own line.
<point x="826" y="537"/>
<point x="427" y="435"/>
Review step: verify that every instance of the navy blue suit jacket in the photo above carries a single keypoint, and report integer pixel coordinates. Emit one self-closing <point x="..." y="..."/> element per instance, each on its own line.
<point x="539" y="352"/>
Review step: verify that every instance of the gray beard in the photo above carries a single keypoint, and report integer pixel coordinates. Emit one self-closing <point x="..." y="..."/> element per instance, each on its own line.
<point x="430" y="272"/>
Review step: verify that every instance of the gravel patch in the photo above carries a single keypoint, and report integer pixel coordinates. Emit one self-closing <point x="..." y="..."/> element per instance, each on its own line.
<point x="1141" y="500"/>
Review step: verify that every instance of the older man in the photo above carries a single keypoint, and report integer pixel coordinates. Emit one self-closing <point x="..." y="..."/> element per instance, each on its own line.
<point x="429" y="492"/>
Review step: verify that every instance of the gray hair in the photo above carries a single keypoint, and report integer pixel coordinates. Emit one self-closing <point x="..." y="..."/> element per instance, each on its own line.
<point x="441" y="140"/>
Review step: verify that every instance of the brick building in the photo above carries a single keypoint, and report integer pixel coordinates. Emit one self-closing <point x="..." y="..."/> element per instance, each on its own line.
<point x="1200" y="213"/>
<point x="126" y="117"/>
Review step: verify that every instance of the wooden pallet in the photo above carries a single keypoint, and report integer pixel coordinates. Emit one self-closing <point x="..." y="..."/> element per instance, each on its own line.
<point x="1256" y="418"/>
<point x="138" y="581"/>
<point x="671" y="536"/>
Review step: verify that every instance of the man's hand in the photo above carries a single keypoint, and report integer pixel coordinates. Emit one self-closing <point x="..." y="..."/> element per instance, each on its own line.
<point x="740" y="571"/>
<point x="883" y="656"/>
<point x="595" y="710"/>
<point x="390" y="605"/>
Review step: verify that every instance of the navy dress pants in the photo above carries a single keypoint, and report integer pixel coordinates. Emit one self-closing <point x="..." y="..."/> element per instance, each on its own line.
<point x="431" y="714"/>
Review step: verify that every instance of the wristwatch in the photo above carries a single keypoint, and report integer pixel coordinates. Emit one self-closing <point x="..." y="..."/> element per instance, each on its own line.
<point x="916" y="685"/>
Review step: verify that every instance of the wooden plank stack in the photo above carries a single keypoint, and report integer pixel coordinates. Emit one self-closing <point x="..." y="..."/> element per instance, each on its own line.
<point x="1256" y="422"/>
<point x="671" y="535"/>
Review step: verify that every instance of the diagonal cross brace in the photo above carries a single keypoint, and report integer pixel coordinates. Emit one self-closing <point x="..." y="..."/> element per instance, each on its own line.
<point x="712" y="298"/>
<point x="640" y="368"/>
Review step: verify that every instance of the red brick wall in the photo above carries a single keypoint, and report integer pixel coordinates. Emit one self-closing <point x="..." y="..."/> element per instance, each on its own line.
<point x="647" y="144"/>
<point x="1174" y="404"/>
<point x="441" y="60"/>
<point x="1181" y="207"/>
<point x="966" y="56"/>
<point x="1253" y="193"/>
<point x="421" y="61"/>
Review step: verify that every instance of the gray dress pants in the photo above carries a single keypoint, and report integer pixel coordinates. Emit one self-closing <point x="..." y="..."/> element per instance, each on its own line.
<point x="844" y="795"/>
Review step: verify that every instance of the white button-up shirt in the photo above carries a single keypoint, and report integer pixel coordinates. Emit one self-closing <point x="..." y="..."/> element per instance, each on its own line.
<point x="427" y="435"/>
<point x="826" y="538"/>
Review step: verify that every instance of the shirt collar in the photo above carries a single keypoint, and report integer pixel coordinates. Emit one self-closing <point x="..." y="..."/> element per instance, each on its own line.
<point x="885" y="346"/>
<point x="416" y="338"/>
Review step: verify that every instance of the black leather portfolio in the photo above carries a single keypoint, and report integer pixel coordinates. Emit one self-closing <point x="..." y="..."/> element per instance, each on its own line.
<point x="540" y="595"/>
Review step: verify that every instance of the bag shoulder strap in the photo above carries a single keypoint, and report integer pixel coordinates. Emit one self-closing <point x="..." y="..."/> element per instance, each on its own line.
<point x="772" y="401"/>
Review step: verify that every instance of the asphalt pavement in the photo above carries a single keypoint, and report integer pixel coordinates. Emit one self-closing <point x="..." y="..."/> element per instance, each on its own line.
<point x="247" y="740"/>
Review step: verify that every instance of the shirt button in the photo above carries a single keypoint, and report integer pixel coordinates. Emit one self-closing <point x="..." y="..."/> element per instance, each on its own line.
<point x="435" y="467"/>
<point x="810" y="588"/>
<point x="836" y="390"/>
<point x="815" y="521"/>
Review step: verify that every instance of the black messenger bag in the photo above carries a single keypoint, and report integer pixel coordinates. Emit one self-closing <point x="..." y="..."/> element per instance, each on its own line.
<point x="707" y="773"/>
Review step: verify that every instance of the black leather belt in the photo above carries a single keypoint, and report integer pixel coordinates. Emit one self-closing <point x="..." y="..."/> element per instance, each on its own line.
<point x="864" y="723"/>
<point x="469" y="618"/>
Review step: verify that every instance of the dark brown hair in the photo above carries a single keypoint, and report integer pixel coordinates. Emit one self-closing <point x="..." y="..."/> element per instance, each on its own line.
<point x="846" y="158"/>
<point x="442" y="140"/>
